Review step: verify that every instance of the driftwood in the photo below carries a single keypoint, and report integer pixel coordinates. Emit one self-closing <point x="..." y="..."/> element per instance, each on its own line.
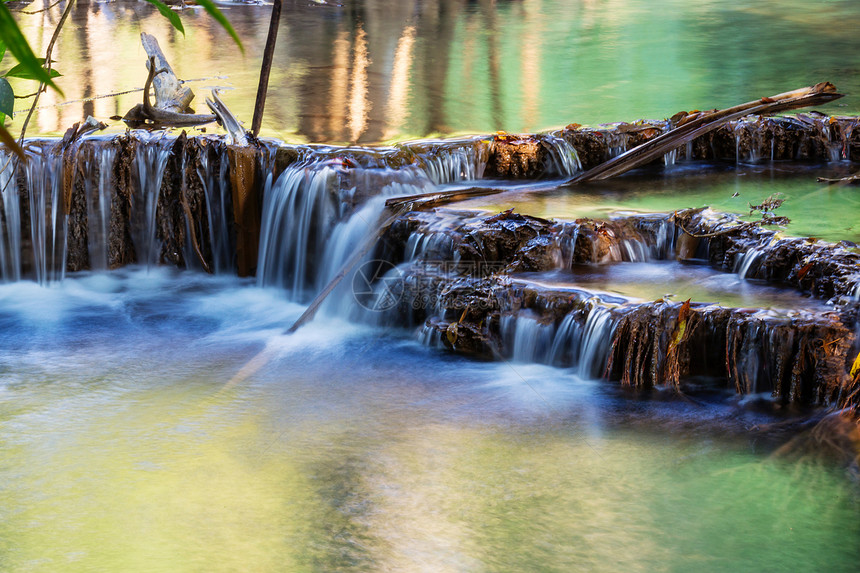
<point x="692" y="125"/>
<point x="172" y="99"/>
<point x="688" y="126"/>
<point x="850" y="179"/>
<point x="236" y="134"/>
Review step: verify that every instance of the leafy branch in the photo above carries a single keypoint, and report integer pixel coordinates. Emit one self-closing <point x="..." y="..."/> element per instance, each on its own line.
<point x="30" y="67"/>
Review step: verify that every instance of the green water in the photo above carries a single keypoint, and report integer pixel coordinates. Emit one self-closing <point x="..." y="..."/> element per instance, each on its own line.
<point x="376" y="70"/>
<point x="161" y="421"/>
<point x="827" y="212"/>
<point x="671" y="280"/>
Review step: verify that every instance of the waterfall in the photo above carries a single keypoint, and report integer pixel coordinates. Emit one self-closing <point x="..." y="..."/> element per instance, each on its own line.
<point x="10" y="222"/>
<point x="583" y="346"/>
<point x="317" y="213"/>
<point x="451" y="162"/>
<point x="48" y="220"/>
<point x="216" y="187"/>
<point x="98" y="198"/>
<point x="670" y="158"/>
<point x="562" y="158"/>
<point x="744" y="263"/>
<point x="567" y="342"/>
<point x="299" y="210"/>
<point x="596" y="338"/>
<point x="654" y="241"/>
<point x="530" y="339"/>
<point x="150" y="163"/>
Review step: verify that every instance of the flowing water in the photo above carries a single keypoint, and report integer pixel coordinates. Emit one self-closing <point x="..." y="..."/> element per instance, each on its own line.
<point x="159" y="420"/>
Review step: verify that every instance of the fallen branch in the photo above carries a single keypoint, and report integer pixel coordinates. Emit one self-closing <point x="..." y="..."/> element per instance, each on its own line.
<point x="850" y="179"/>
<point x="236" y="134"/>
<point x="688" y="127"/>
<point x="691" y="126"/>
<point x="435" y="199"/>
<point x="172" y="99"/>
<point x="387" y="218"/>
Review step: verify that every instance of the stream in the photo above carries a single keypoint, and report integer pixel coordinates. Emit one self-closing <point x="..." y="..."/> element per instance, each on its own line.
<point x="155" y="418"/>
<point x="129" y="442"/>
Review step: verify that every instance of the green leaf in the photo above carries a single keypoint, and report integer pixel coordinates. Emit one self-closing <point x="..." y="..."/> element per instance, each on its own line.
<point x="169" y="14"/>
<point x="11" y="144"/>
<point x="7" y="97"/>
<point x="213" y="10"/>
<point x="2" y="49"/>
<point x="25" y="73"/>
<point x="17" y="44"/>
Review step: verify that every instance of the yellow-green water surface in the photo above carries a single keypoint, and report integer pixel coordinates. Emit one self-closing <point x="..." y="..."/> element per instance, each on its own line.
<point x="161" y="421"/>
<point x="830" y="212"/>
<point x="372" y="70"/>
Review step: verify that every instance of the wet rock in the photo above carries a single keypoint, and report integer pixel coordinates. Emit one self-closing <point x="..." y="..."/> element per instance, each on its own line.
<point x="799" y="358"/>
<point x="120" y="245"/>
<point x="516" y="157"/>
<point x="826" y="270"/>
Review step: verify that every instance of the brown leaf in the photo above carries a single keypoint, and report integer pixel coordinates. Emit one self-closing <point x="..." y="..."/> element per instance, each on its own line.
<point x="11" y="144"/>
<point x="681" y="331"/>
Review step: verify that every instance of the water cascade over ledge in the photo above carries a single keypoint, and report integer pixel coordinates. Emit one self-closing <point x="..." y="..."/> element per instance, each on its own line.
<point x="507" y="286"/>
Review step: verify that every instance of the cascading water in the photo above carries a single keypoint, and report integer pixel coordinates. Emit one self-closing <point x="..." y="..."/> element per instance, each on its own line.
<point x="299" y="210"/>
<point x="218" y="205"/>
<point x="562" y="158"/>
<point x="317" y="213"/>
<point x="452" y="162"/>
<point x="98" y="197"/>
<point x="744" y="263"/>
<point x="596" y="338"/>
<point x="48" y="220"/>
<point x="583" y="346"/>
<point x="655" y="243"/>
<point x="149" y="163"/>
<point x="531" y="338"/>
<point x="10" y="222"/>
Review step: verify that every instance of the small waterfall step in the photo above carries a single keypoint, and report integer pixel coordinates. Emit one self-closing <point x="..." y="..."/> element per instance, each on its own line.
<point x="648" y="344"/>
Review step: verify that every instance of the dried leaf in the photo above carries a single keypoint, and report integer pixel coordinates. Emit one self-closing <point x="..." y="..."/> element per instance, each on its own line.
<point x="451" y="333"/>
<point x="10" y="143"/>
<point x="681" y="327"/>
<point x="855" y="368"/>
<point x="805" y="269"/>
